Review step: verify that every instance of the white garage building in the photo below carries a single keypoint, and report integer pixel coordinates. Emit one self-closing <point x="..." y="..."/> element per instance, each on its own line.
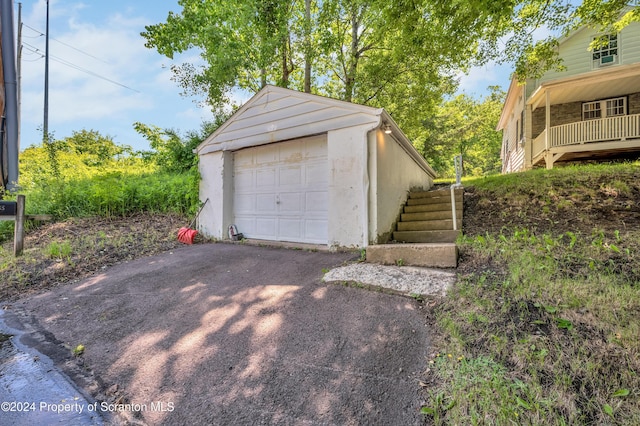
<point x="291" y="166"/>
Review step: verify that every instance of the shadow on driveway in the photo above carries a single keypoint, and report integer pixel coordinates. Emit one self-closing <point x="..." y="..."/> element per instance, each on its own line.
<point x="234" y="334"/>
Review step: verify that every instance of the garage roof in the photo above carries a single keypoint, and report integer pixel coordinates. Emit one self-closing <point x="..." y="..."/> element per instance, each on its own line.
<point x="278" y="114"/>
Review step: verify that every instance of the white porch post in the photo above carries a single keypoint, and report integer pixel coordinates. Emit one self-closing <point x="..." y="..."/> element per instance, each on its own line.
<point x="548" y="157"/>
<point x="528" y="136"/>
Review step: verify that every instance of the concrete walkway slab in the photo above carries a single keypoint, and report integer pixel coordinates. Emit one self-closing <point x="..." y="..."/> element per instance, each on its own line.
<point x="231" y="334"/>
<point x="404" y="279"/>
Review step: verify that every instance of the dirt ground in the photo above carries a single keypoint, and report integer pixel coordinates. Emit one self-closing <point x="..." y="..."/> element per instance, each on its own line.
<point x="66" y="252"/>
<point x="579" y="209"/>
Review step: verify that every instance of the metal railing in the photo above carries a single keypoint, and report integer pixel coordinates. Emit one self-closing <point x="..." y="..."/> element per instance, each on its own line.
<point x="457" y="164"/>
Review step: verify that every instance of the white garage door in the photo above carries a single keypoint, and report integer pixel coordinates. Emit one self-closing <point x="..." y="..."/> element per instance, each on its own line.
<point x="281" y="191"/>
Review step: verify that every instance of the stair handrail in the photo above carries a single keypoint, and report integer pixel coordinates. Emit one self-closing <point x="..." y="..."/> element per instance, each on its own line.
<point x="457" y="164"/>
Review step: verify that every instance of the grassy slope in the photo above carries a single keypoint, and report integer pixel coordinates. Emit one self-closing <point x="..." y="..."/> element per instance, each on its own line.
<point x="544" y="324"/>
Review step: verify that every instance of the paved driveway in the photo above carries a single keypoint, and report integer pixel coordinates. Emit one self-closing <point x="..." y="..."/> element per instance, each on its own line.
<point x="234" y="334"/>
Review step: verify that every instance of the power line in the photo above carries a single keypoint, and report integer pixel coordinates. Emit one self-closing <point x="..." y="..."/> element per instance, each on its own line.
<point x="40" y="34"/>
<point x="77" y="67"/>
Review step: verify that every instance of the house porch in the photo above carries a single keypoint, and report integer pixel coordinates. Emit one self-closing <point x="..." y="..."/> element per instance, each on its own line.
<point x="560" y="126"/>
<point x="592" y="139"/>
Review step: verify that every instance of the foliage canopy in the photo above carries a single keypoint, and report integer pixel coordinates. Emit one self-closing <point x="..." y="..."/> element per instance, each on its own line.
<point x="404" y="55"/>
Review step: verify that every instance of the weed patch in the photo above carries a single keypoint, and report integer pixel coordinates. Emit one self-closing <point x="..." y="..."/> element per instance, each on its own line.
<point x="76" y="248"/>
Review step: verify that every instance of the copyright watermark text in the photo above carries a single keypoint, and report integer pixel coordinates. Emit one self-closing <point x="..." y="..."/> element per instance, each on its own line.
<point x="28" y="406"/>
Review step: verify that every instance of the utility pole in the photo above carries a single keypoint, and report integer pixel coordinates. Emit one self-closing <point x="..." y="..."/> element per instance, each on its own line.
<point x="45" y="125"/>
<point x="10" y="86"/>
<point x="19" y="69"/>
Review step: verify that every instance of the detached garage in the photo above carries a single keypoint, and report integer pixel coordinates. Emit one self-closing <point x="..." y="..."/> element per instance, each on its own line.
<point x="296" y="167"/>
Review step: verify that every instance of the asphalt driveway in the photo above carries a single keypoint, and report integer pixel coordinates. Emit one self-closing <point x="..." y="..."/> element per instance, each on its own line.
<point x="234" y="334"/>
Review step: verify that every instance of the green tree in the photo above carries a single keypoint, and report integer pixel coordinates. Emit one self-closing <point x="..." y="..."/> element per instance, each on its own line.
<point x="171" y="151"/>
<point x="244" y="43"/>
<point x="368" y="52"/>
<point x="507" y="31"/>
<point x="465" y="126"/>
<point x="401" y="55"/>
<point x="94" y="148"/>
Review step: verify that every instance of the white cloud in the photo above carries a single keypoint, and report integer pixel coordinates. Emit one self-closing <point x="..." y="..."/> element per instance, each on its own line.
<point x="80" y="95"/>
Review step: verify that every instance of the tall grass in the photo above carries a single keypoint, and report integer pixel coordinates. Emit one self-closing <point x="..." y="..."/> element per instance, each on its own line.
<point x="113" y="189"/>
<point x="116" y="194"/>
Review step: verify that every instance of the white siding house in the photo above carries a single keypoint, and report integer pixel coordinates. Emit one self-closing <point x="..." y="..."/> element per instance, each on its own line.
<point x="297" y="167"/>
<point x="591" y="110"/>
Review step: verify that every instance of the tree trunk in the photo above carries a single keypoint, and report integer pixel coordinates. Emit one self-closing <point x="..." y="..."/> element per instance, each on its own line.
<point x="350" y="78"/>
<point x="307" y="46"/>
<point x="285" y="63"/>
<point x="284" y="82"/>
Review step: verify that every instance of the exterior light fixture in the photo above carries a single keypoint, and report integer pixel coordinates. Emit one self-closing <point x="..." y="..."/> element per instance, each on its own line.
<point x="387" y="129"/>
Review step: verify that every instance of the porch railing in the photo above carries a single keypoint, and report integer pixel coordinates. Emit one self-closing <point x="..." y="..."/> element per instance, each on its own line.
<point x="538" y="146"/>
<point x="601" y="130"/>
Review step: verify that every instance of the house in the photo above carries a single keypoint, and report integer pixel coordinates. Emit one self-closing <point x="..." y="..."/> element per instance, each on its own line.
<point x="297" y="167"/>
<point x="589" y="111"/>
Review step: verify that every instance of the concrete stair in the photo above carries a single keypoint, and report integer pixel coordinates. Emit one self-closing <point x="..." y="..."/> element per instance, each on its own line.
<point x="424" y="235"/>
<point x="427" y="217"/>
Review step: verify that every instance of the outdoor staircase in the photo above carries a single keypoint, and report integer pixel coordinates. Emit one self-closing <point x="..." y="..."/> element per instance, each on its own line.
<point x="425" y="235"/>
<point x="427" y="217"/>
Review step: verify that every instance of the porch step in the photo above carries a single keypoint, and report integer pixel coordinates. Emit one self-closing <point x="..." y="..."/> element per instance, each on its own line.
<point x="436" y="193"/>
<point x="428" y="255"/>
<point x="426" y="236"/>
<point x="428" y="225"/>
<point x="436" y="199"/>
<point x="433" y="207"/>
<point x="430" y="215"/>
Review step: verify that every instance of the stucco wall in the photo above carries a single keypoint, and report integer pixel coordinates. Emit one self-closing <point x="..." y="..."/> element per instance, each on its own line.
<point x="393" y="174"/>
<point x="216" y="172"/>
<point x="348" y="186"/>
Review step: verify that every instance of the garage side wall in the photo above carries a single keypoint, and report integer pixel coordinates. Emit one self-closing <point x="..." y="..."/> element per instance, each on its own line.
<point x="395" y="173"/>
<point x="348" y="187"/>
<point x="216" y="184"/>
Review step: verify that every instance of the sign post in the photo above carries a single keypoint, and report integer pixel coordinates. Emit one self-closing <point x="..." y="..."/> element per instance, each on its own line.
<point x="14" y="210"/>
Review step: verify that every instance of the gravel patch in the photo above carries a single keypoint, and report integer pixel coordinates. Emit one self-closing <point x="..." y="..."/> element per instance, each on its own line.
<point x="404" y="279"/>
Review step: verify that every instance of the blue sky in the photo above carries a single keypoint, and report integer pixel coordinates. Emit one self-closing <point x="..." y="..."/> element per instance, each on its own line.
<point x="106" y="44"/>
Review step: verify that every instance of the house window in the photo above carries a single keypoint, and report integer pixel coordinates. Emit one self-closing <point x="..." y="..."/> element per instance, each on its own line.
<point x="616" y="107"/>
<point x="521" y="136"/>
<point x="591" y="110"/>
<point x="605" y="108"/>
<point x="607" y="52"/>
